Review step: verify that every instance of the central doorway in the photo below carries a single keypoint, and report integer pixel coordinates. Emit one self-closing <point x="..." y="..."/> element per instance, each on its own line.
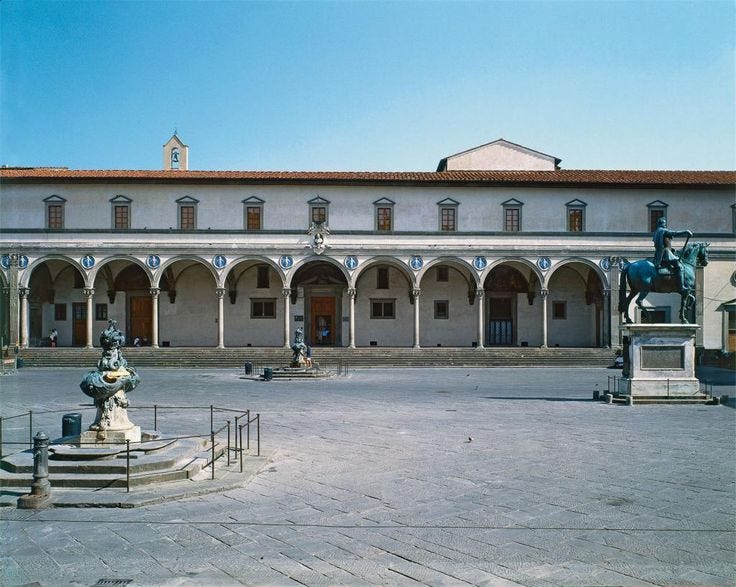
<point x="322" y="324"/>
<point x="501" y="321"/>
<point x="141" y="318"/>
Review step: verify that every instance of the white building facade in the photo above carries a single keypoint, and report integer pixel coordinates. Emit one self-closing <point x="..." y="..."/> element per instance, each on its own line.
<point x="499" y="247"/>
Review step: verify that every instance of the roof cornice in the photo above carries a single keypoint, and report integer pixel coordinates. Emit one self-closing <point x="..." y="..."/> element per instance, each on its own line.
<point x="557" y="178"/>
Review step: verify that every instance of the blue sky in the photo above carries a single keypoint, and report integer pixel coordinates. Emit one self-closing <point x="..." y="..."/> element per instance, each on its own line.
<point x="367" y="85"/>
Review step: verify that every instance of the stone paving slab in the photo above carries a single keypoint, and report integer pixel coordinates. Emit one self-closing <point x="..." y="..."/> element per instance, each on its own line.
<point x="375" y="482"/>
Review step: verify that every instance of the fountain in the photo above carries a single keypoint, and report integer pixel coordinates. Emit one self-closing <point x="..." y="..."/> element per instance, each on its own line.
<point x="107" y="386"/>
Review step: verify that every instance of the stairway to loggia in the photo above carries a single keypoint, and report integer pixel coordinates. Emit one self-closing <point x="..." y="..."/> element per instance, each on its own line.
<point x="327" y="357"/>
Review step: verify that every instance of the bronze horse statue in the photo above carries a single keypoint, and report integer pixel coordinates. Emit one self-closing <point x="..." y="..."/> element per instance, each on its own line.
<point x="643" y="278"/>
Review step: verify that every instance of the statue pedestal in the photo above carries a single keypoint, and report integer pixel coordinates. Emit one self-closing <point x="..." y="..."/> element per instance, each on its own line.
<point x="110" y="436"/>
<point x="661" y="360"/>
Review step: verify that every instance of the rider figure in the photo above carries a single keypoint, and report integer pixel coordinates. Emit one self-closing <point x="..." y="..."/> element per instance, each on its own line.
<point x="666" y="262"/>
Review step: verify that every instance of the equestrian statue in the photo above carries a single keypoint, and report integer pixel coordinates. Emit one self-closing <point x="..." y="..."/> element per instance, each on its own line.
<point x="668" y="272"/>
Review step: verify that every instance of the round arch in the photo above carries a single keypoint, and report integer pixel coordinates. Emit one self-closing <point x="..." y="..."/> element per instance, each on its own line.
<point x="581" y="261"/>
<point x="100" y="266"/>
<point x="197" y="260"/>
<point x="514" y="262"/>
<point x="462" y="266"/>
<point x="254" y="260"/>
<point x="385" y="260"/>
<point x="26" y="277"/>
<point x="300" y="265"/>
<point x="577" y="304"/>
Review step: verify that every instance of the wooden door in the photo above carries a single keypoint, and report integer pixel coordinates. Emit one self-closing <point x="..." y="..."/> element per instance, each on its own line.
<point x="322" y="315"/>
<point x="501" y="321"/>
<point x="79" y="323"/>
<point x="141" y="319"/>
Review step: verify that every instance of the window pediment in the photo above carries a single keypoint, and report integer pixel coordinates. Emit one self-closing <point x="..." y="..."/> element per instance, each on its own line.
<point x="54" y="199"/>
<point x="187" y="200"/>
<point x="448" y="202"/>
<point x="253" y="200"/>
<point x="318" y="201"/>
<point x="512" y="202"/>
<point x="576" y="204"/>
<point x="120" y="199"/>
<point x="657" y="204"/>
<point x="384" y="202"/>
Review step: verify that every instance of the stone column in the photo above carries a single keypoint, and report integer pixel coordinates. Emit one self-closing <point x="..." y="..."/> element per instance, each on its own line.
<point x="89" y="293"/>
<point x="614" y="316"/>
<point x="154" y="291"/>
<point x="415" y="294"/>
<point x="13" y="302"/>
<point x="220" y="292"/>
<point x="352" y="292"/>
<point x="23" y="295"/>
<point x="480" y="299"/>
<point x="544" y="294"/>
<point x="286" y="294"/>
<point x="605" y="322"/>
<point x="699" y="304"/>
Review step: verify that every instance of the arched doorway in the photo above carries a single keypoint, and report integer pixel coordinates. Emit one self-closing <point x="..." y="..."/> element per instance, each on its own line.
<point x="188" y="304"/>
<point x="318" y="290"/>
<point x="511" y="316"/>
<point x="126" y="286"/>
<point x="384" y="305"/>
<point x="448" y="313"/>
<point x="253" y="306"/>
<point x="576" y="306"/>
<point x="56" y="300"/>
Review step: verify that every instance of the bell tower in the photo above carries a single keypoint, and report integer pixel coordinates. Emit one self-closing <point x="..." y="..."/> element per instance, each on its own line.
<point x="176" y="154"/>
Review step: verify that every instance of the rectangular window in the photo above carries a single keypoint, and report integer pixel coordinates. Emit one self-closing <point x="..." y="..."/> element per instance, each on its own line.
<point x="186" y="217"/>
<point x="122" y="215"/>
<point x="55" y="216"/>
<point x="60" y="312"/>
<point x="443" y="273"/>
<point x="441" y="309"/>
<point x="262" y="308"/>
<point x="263" y="277"/>
<point x="654" y="215"/>
<point x="512" y="219"/>
<point x="383" y="309"/>
<point x="319" y="214"/>
<point x="448" y="219"/>
<point x="253" y="218"/>
<point x="559" y="310"/>
<point x="382" y="278"/>
<point x="575" y="220"/>
<point x="100" y="311"/>
<point x="384" y="218"/>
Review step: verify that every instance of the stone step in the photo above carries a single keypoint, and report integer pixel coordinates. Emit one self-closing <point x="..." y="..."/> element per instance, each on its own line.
<point x="182" y="459"/>
<point x="327" y="356"/>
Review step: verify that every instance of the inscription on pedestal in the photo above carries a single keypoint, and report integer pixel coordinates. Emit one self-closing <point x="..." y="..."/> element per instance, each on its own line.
<point x="662" y="357"/>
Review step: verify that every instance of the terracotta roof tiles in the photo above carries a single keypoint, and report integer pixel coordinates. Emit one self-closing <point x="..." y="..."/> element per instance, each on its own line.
<point x="561" y="177"/>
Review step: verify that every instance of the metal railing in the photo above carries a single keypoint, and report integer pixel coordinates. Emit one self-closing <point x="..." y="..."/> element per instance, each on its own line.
<point x="230" y="446"/>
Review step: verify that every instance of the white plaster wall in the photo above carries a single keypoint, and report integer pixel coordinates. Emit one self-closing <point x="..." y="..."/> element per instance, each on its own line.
<point x="461" y="329"/>
<point x="718" y="289"/>
<point x="240" y="328"/>
<point x="398" y="331"/>
<point x="351" y="208"/>
<point x="192" y="319"/>
<point x="500" y="157"/>
<point x="528" y="320"/>
<point x="578" y="329"/>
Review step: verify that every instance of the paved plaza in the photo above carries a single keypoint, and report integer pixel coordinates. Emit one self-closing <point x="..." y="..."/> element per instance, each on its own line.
<point x="399" y="477"/>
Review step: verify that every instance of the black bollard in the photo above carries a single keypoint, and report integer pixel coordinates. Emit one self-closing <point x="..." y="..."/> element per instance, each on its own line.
<point x="40" y="488"/>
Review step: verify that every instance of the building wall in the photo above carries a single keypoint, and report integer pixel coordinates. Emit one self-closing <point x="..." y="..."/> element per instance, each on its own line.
<point x="351" y="207"/>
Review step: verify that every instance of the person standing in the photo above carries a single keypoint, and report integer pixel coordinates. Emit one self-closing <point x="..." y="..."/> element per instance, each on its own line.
<point x="53" y="337"/>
